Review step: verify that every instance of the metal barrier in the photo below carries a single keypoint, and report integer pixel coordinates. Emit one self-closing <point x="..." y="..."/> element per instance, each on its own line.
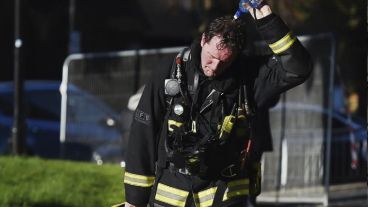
<point x="95" y="91"/>
<point x="310" y="138"/>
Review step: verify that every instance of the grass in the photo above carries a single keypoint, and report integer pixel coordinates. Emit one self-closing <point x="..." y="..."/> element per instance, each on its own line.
<point x="34" y="182"/>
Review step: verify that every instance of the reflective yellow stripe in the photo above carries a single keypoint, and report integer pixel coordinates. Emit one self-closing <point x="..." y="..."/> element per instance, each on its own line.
<point x="281" y="41"/>
<point x="229" y="195"/>
<point x="170" y="195"/>
<point x="138" y="180"/>
<point x="205" y="198"/>
<point x="175" y="123"/>
<point x="283" y="44"/>
<point x="285" y="47"/>
<point x="238" y="182"/>
<point x="140" y="177"/>
<point x="206" y="203"/>
<point x="210" y="191"/>
<point x="236" y="188"/>
<point x="172" y="190"/>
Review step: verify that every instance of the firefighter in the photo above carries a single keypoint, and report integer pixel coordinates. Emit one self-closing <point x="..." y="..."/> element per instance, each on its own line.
<point x="195" y="138"/>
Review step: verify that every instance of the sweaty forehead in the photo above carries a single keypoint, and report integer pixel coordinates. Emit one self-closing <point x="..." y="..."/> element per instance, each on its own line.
<point x="217" y="51"/>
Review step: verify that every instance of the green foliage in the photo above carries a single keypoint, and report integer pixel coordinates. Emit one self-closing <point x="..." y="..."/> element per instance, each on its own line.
<point x="40" y="183"/>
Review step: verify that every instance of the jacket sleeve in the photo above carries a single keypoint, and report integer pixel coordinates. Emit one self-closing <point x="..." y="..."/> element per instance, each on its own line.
<point x="289" y="66"/>
<point x="141" y="153"/>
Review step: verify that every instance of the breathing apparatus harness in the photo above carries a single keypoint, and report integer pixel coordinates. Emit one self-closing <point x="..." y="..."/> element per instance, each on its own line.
<point x="185" y="149"/>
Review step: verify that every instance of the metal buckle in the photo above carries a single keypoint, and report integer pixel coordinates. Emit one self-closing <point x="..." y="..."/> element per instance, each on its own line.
<point x="229" y="171"/>
<point x="184" y="171"/>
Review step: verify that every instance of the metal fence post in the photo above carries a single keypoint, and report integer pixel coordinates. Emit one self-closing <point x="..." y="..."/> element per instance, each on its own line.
<point x="18" y="129"/>
<point x="329" y="121"/>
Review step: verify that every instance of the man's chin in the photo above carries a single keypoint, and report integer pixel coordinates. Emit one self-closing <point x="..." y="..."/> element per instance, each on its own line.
<point x="209" y="74"/>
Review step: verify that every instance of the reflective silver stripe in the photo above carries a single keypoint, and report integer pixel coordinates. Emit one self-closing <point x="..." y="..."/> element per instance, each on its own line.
<point x="236" y="188"/>
<point x="283" y="44"/>
<point x="170" y="195"/>
<point x="157" y="205"/>
<point x="205" y="198"/>
<point x="138" y="180"/>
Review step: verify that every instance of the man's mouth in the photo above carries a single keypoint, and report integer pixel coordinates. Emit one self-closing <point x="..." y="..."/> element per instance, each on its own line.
<point x="210" y="72"/>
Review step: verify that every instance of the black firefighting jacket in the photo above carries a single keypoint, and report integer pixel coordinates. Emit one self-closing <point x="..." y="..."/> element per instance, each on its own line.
<point x="265" y="78"/>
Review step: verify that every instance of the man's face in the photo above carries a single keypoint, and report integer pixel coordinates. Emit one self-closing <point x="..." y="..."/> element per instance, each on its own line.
<point x="214" y="59"/>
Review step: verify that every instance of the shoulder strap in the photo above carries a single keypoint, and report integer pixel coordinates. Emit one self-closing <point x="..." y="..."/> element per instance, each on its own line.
<point x="184" y="56"/>
<point x="187" y="55"/>
<point x="181" y="58"/>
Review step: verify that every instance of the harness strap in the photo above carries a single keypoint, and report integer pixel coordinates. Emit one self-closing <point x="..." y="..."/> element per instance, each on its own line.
<point x="161" y="163"/>
<point x="221" y="188"/>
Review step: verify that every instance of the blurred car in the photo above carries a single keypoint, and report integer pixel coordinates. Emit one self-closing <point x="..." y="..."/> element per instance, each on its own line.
<point x="348" y="158"/>
<point x="93" y="129"/>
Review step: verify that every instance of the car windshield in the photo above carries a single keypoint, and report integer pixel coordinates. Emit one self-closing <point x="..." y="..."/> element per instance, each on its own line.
<point x="85" y="109"/>
<point x="44" y="104"/>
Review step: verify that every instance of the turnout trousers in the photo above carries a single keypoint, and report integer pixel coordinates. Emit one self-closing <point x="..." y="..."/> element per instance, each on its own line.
<point x="173" y="188"/>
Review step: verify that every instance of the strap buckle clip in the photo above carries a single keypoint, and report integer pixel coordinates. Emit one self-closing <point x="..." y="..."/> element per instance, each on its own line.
<point x="229" y="171"/>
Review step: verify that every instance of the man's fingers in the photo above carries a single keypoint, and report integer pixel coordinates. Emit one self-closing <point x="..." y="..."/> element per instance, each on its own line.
<point x="129" y="205"/>
<point x="265" y="10"/>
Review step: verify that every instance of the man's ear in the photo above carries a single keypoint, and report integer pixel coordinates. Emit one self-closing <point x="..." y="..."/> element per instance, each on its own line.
<point x="203" y="40"/>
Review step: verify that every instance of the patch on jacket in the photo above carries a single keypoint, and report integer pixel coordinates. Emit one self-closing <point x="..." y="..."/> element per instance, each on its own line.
<point x="142" y="117"/>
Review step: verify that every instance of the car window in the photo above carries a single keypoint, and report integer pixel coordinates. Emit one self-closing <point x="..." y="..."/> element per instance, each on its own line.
<point x="85" y="109"/>
<point x="44" y="104"/>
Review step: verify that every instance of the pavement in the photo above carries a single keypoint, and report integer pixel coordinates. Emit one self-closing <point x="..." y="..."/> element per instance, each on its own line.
<point x="351" y="195"/>
<point x="347" y="195"/>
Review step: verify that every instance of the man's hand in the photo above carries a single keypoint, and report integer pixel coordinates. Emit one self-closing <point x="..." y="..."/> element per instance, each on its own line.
<point x="131" y="205"/>
<point x="260" y="13"/>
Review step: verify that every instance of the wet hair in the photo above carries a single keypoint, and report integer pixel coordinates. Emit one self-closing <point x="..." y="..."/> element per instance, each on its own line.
<point x="232" y="33"/>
